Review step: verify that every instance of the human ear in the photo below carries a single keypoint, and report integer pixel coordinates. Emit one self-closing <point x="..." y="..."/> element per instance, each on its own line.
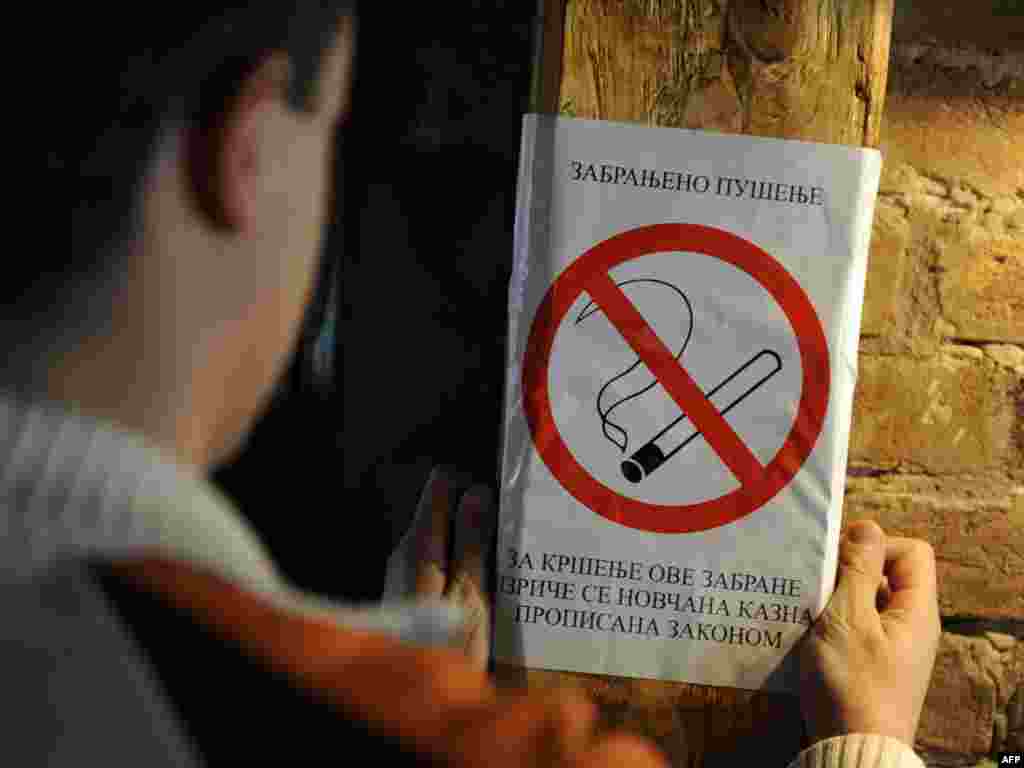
<point x="226" y="156"/>
<point x="336" y="79"/>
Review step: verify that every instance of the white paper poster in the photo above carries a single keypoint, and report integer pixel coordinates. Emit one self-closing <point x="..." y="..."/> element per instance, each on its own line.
<point x="683" y="322"/>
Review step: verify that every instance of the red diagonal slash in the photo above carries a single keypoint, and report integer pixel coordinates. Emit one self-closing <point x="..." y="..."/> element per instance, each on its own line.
<point x="662" y="363"/>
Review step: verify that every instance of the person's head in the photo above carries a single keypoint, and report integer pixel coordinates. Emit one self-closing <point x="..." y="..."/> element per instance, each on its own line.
<point x="197" y="174"/>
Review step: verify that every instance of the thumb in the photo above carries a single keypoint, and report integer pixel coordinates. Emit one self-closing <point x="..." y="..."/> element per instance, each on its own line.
<point x="861" y="567"/>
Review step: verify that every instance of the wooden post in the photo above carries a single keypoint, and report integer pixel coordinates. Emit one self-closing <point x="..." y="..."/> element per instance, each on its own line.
<point x="798" y="69"/>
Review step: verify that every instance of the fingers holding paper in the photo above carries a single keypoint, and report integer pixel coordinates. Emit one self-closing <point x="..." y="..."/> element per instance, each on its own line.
<point x="421" y="566"/>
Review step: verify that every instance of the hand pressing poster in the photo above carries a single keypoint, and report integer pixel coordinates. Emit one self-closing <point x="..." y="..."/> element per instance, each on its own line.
<point x="684" y="313"/>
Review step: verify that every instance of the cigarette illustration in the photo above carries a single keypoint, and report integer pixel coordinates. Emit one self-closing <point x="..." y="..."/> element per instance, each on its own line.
<point x="736" y="388"/>
<point x="634" y="380"/>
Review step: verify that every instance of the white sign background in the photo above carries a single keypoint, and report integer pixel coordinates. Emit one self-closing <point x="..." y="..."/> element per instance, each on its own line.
<point x="793" y="536"/>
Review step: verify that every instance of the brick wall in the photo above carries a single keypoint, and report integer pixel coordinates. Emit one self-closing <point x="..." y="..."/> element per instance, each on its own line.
<point x="938" y="443"/>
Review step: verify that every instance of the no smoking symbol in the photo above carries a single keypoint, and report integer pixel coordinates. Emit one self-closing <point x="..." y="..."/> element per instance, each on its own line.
<point x="758" y="483"/>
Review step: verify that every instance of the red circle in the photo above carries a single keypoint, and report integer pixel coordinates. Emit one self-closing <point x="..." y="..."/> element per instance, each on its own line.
<point x="814" y="358"/>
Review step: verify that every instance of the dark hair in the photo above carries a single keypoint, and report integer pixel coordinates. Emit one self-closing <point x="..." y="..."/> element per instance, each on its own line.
<point x="139" y="74"/>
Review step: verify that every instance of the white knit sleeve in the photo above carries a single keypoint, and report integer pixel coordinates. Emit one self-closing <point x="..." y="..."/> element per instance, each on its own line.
<point x="858" y="750"/>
